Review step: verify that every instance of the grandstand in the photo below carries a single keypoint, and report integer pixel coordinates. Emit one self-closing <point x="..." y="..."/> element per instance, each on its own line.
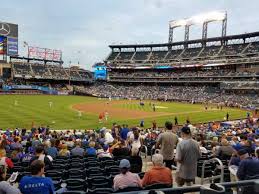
<point x="42" y="70"/>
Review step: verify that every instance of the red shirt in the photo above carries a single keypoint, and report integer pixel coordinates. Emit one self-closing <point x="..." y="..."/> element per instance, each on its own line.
<point x="158" y="174"/>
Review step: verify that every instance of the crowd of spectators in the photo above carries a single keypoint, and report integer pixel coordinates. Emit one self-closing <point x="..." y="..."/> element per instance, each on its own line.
<point x="192" y="94"/>
<point x="179" y="74"/>
<point x="41" y="150"/>
<point x="176" y="54"/>
<point x="55" y="72"/>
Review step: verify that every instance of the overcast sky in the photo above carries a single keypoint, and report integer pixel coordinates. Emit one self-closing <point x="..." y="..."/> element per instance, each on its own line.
<point x="90" y="26"/>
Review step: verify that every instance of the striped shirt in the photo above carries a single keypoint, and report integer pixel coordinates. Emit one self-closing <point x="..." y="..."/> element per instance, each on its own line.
<point x="129" y="179"/>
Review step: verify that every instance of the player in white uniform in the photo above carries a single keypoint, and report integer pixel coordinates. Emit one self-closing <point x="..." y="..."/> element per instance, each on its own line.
<point x="106" y="115"/>
<point x="79" y="114"/>
<point x="50" y="104"/>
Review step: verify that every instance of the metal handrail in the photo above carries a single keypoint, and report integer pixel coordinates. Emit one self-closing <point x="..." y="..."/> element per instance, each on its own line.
<point x="221" y="176"/>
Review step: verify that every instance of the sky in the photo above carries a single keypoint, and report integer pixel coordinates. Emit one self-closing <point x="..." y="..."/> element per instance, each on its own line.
<point x="89" y="26"/>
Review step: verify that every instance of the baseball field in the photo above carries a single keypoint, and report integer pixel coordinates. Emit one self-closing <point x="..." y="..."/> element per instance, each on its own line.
<point x="78" y="112"/>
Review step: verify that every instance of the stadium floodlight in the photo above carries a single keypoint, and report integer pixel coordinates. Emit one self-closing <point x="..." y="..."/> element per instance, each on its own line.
<point x="209" y="17"/>
<point x="203" y="19"/>
<point x="178" y="23"/>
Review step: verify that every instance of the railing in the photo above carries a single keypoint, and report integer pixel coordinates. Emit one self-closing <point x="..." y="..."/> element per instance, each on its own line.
<point x="243" y="187"/>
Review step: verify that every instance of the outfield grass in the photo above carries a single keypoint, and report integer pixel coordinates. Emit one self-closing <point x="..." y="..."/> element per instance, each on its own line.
<point x="35" y="109"/>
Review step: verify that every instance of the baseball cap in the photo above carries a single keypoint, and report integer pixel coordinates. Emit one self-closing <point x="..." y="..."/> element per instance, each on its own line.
<point x="124" y="163"/>
<point x="186" y="130"/>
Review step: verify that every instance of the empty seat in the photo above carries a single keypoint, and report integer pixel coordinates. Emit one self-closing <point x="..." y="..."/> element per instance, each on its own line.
<point x="76" y="184"/>
<point x="54" y="174"/>
<point x="99" y="182"/>
<point x="112" y="170"/>
<point x="76" y="173"/>
<point x="101" y="191"/>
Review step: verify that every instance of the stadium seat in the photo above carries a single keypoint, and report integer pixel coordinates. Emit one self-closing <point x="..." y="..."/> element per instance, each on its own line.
<point x="76" y="173"/>
<point x="54" y="174"/>
<point x="112" y="170"/>
<point x="76" y="184"/>
<point x="100" y="191"/>
<point x="74" y="192"/>
<point x="99" y="182"/>
<point x="77" y="165"/>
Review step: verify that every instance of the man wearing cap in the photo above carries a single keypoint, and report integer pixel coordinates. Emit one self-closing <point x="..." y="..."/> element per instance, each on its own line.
<point x="248" y="167"/>
<point x="167" y="142"/>
<point x="187" y="155"/>
<point x="125" y="178"/>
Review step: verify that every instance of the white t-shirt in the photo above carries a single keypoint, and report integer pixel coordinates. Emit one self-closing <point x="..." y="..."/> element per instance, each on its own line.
<point x="108" y="138"/>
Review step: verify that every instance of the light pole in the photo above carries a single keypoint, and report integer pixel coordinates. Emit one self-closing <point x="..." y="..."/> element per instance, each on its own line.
<point x="69" y="79"/>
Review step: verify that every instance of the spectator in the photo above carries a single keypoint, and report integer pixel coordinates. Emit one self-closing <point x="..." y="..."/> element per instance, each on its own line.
<point x="16" y="154"/>
<point x="104" y="153"/>
<point x="5" y="186"/>
<point x="78" y="151"/>
<point x="36" y="183"/>
<point x="167" y="142"/>
<point x="52" y="150"/>
<point x="120" y="149"/>
<point x="125" y="178"/>
<point x="36" y="141"/>
<point x="187" y="155"/>
<point x="158" y="173"/>
<point x="108" y="139"/>
<point x="5" y="161"/>
<point x="39" y="155"/>
<point x="225" y="151"/>
<point x="203" y="147"/>
<point x="135" y="138"/>
<point x="91" y="150"/>
<point x="64" y="151"/>
<point x="248" y="167"/>
<point x="16" y="144"/>
<point x="124" y="132"/>
<point x="135" y="160"/>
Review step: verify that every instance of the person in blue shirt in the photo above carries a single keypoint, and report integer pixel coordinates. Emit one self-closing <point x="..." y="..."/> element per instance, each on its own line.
<point x="248" y="167"/>
<point x="36" y="184"/>
<point x="124" y="132"/>
<point x="91" y="150"/>
<point x="52" y="150"/>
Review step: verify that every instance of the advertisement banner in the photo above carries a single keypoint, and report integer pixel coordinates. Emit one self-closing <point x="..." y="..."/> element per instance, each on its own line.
<point x="12" y="46"/>
<point x="44" y="53"/>
<point x="8" y="29"/>
<point x="2" y="45"/>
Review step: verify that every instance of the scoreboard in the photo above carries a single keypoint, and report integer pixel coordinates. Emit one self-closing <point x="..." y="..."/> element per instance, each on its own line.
<point x="8" y="39"/>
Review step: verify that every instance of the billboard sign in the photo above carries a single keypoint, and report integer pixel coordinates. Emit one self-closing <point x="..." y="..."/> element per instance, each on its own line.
<point x="2" y="39"/>
<point x="12" y="46"/>
<point x="100" y="73"/>
<point x="10" y="33"/>
<point x="8" y="29"/>
<point x="44" y="53"/>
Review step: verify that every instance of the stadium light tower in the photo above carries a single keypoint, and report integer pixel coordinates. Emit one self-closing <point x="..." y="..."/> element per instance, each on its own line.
<point x="175" y="24"/>
<point x="207" y="18"/>
<point x="202" y="19"/>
